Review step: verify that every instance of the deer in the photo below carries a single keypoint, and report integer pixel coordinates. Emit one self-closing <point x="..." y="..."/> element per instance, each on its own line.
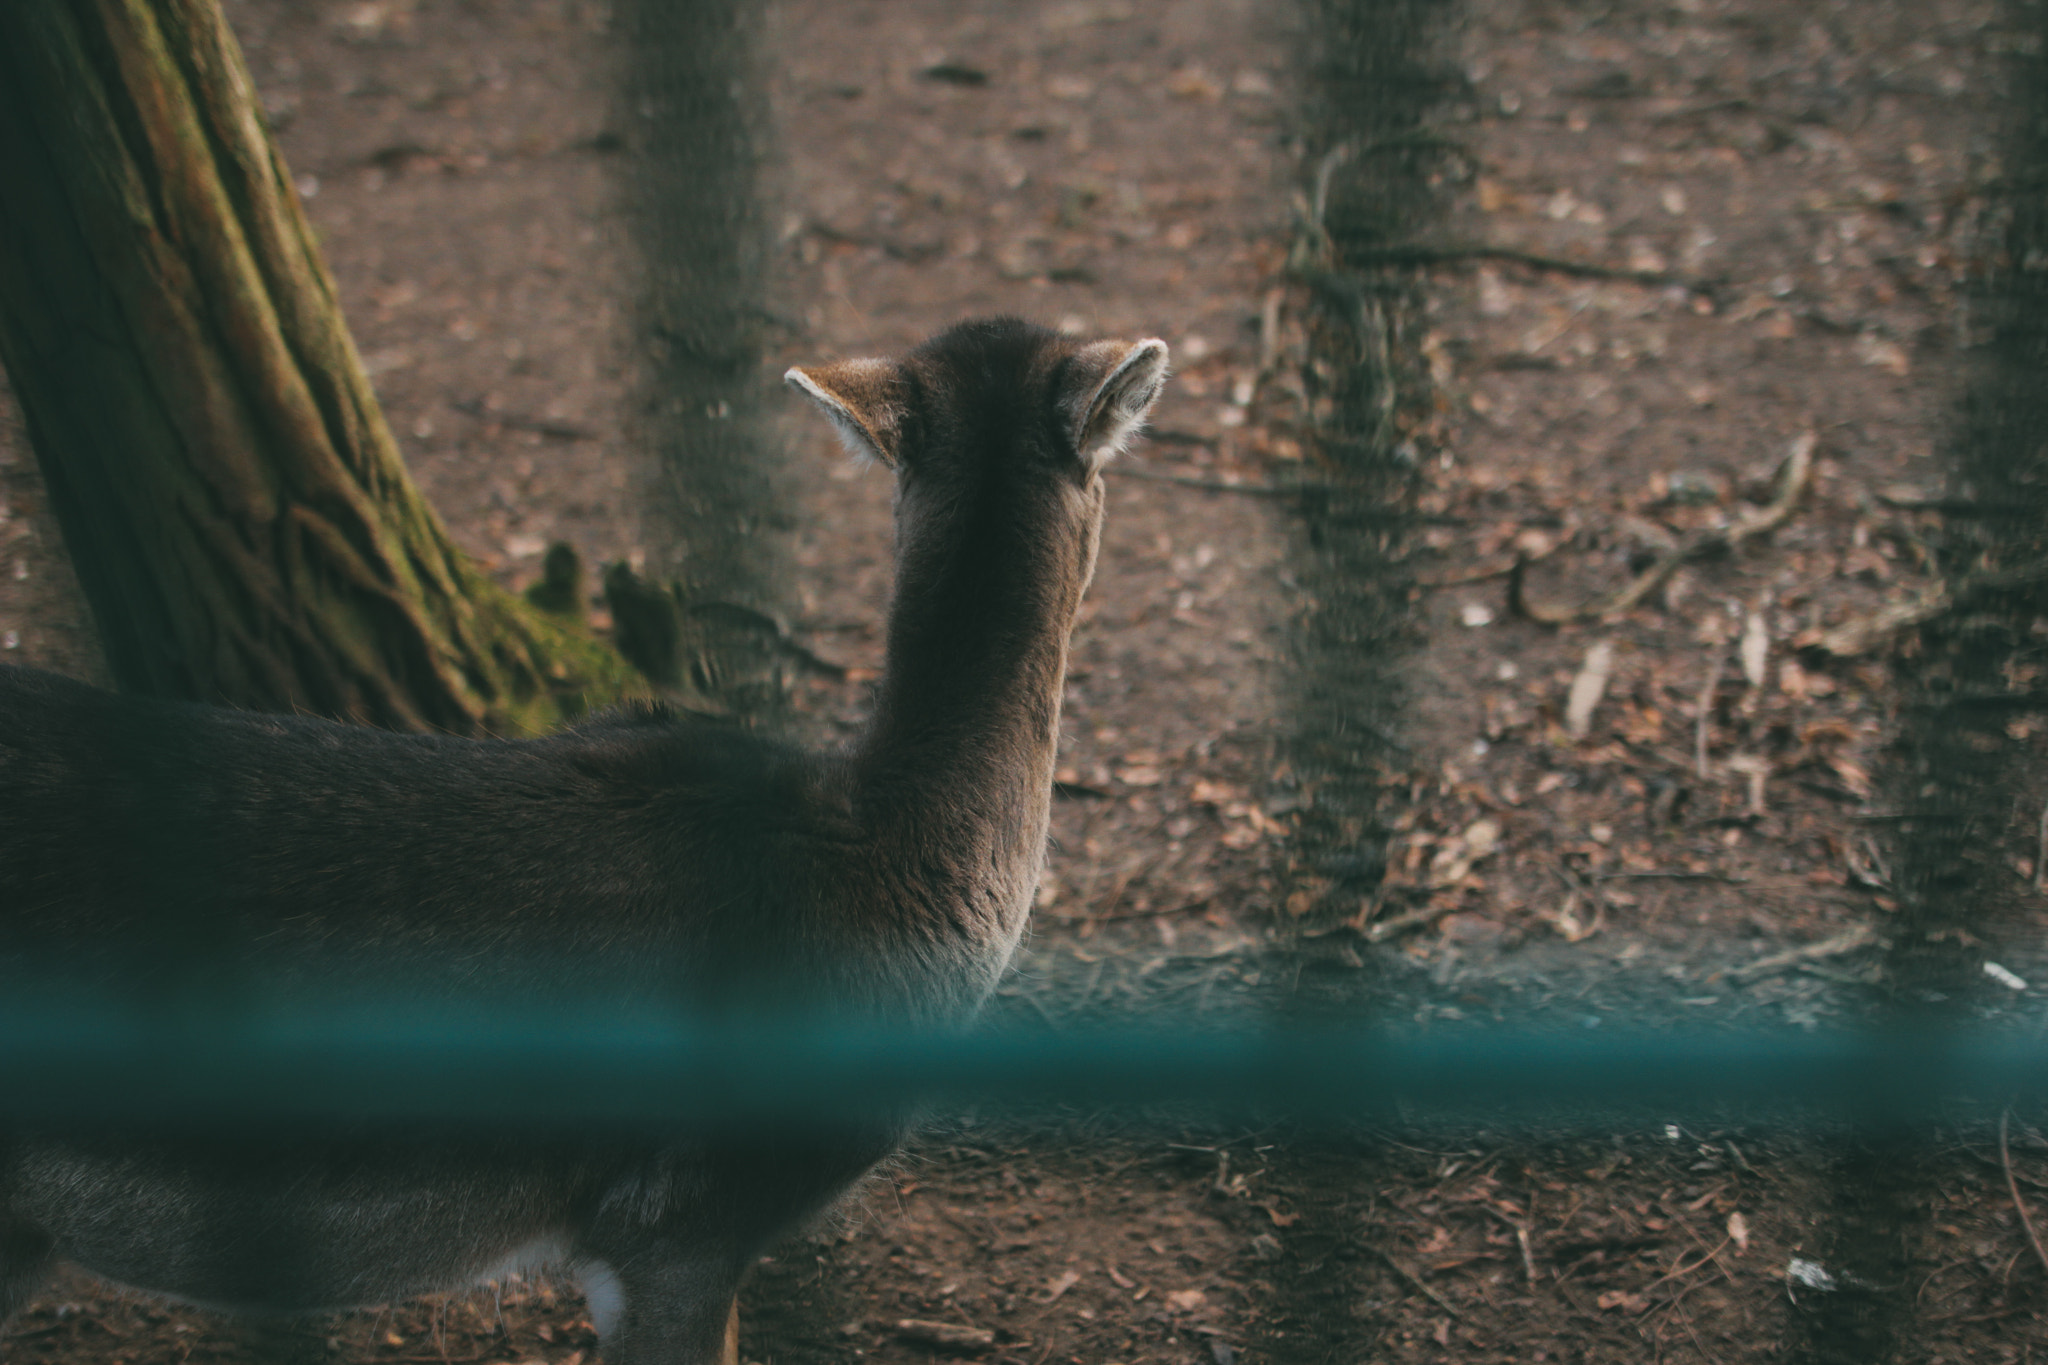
<point x="666" y="856"/>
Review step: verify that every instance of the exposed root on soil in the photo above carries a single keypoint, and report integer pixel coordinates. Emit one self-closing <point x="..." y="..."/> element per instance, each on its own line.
<point x="1865" y="633"/>
<point x="1794" y="475"/>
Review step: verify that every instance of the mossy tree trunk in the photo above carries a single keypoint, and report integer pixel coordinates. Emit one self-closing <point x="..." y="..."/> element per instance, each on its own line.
<point x="236" y="508"/>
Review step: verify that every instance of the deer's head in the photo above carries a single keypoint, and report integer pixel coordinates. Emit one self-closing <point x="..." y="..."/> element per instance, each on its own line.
<point x="998" y="390"/>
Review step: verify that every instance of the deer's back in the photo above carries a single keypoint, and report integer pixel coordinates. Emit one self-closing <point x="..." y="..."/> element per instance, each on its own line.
<point x="134" y="828"/>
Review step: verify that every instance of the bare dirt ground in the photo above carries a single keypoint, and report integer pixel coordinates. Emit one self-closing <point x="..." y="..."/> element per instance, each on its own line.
<point x="1782" y="210"/>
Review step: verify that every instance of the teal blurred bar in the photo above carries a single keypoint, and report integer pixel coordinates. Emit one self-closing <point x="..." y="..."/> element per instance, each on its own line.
<point x="521" y="1070"/>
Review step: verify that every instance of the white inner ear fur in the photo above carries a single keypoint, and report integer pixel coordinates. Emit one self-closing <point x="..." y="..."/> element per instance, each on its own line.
<point x="1120" y="404"/>
<point x="845" y="425"/>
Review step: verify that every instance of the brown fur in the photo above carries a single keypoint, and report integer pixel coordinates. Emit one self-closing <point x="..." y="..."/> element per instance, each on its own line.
<point x="204" y="857"/>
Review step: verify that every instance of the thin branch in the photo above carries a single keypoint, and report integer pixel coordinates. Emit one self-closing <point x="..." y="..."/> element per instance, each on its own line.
<point x="2012" y="1186"/>
<point x="1848" y="941"/>
<point x="1706" y="717"/>
<point x="2041" y="854"/>
<point x="1672" y="876"/>
<point x="1457" y="253"/>
<point x="1679" y="1267"/>
<point x="1793" y="477"/>
<point x="1381" y="930"/>
<point x="549" y="427"/>
<point x="1253" y="490"/>
<point x="1419" y="1284"/>
<point x="1459" y="580"/>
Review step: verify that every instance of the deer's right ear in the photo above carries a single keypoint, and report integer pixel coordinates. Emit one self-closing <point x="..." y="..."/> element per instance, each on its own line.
<point x="1115" y="385"/>
<point x="864" y="400"/>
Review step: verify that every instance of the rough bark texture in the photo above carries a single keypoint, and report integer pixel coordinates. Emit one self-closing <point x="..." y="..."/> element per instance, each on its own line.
<point x="240" y="517"/>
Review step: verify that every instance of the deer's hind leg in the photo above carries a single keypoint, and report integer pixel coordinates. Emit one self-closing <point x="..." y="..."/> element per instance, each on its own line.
<point x="682" y="1310"/>
<point x="26" y="1255"/>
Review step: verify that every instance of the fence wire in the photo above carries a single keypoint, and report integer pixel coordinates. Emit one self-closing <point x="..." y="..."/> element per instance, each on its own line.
<point x="500" y="1070"/>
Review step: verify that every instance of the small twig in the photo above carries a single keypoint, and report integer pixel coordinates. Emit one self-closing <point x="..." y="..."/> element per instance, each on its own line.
<point x="1671" y="876"/>
<point x="1696" y="110"/>
<point x="1419" y="1284"/>
<point x="1387" y="928"/>
<point x="1681" y="1268"/>
<point x="1464" y="579"/>
<point x="1081" y="791"/>
<point x="1157" y="912"/>
<point x="1685" y="1321"/>
<point x="554" y="430"/>
<point x="947" y="1336"/>
<point x="1846" y="942"/>
<point x="1136" y="872"/>
<point x="2012" y="1186"/>
<point x="1954" y="507"/>
<point x="1575" y="882"/>
<point x="1521" y="1231"/>
<point x="2041" y="854"/>
<point x="1793" y="476"/>
<point x="1705" y="719"/>
<point x="1253" y="490"/>
<point x="1456" y="253"/>
<point x="1269" y="335"/>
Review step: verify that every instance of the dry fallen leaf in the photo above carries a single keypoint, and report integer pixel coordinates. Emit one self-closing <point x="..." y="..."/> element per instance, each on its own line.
<point x="1755" y="648"/>
<point x="1494" y="196"/>
<point x="1588" y="688"/>
<point x="1066" y="1281"/>
<point x="1187" y="1300"/>
<point x="1738" y="1232"/>
<point x="1756" y="768"/>
<point x="1567" y="923"/>
<point x="1207" y="793"/>
<point x="1889" y="356"/>
<point x="1193" y="83"/>
<point x="1853" y="775"/>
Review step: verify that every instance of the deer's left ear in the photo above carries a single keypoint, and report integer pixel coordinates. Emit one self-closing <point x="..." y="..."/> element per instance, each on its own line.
<point x="863" y="399"/>
<point x="1112" y="388"/>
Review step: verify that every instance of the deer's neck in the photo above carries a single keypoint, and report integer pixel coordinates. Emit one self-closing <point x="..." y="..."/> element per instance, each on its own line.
<point x="967" y="723"/>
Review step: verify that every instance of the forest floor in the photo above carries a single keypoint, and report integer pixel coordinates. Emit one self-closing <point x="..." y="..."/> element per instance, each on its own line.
<point x="1690" y="266"/>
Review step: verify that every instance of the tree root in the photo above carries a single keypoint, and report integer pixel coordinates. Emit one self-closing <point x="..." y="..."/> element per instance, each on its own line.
<point x="1865" y="633"/>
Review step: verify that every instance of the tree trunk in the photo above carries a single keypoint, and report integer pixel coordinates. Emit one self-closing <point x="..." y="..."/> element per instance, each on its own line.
<point x="239" y="515"/>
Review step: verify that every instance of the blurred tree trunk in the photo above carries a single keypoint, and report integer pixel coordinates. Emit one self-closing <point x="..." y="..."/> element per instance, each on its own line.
<point x="237" y="511"/>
